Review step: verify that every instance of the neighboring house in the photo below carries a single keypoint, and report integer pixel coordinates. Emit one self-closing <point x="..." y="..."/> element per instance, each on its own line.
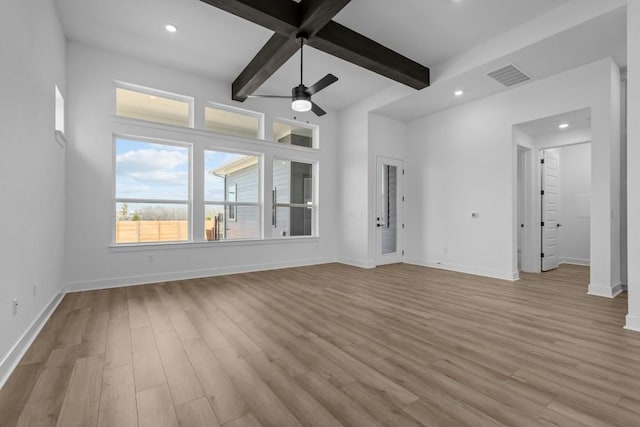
<point x="240" y="185"/>
<point x="292" y="184"/>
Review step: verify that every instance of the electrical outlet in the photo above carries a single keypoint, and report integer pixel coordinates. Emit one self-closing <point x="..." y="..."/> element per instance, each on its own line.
<point x="150" y="258"/>
<point x="15" y="306"/>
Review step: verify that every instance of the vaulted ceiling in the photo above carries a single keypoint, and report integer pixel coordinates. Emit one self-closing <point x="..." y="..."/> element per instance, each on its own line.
<point x="217" y="44"/>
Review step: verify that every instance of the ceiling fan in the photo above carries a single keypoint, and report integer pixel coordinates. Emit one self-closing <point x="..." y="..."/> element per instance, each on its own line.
<point x="301" y="94"/>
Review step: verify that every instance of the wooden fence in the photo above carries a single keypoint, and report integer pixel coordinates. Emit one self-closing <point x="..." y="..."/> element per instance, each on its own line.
<point x="151" y="231"/>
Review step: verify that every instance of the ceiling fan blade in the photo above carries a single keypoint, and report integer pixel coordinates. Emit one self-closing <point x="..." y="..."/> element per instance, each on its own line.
<point x="317" y="110"/>
<point x="327" y="80"/>
<point x="270" y="96"/>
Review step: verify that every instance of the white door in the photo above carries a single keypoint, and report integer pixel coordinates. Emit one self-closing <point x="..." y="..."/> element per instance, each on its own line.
<point x="550" y="210"/>
<point x="389" y="210"/>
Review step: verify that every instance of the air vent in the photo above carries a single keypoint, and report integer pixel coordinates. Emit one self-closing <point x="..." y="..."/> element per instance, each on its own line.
<point x="509" y="75"/>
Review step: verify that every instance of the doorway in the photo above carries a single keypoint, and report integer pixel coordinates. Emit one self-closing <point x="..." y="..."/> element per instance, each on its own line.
<point x="389" y="201"/>
<point x="552" y="210"/>
<point x="565" y="201"/>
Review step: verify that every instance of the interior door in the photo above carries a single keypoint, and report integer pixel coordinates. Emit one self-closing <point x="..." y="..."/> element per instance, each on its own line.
<point x="550" y="210"/>
<point x="389" y="210"/>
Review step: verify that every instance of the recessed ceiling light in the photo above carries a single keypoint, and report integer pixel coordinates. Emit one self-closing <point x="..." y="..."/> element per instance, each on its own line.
<point x="458" y="93"/>
<point x="563" y="126"/>
<point x="171" y="28"/>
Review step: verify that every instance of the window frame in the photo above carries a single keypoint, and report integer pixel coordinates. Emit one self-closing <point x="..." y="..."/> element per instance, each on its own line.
<point x="199" y="140"/>
<point x="315" y="132"/>
<point x="259" y="204"/>
<point x="117" y="84"/>
<point x="313" y="205"/>
<point x="236" y="110"/>
<point x="116" y="200"/>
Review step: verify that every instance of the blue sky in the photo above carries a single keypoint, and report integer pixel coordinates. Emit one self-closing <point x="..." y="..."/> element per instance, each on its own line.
<point x="153" y="171"/>
<point x="145" y="170"/>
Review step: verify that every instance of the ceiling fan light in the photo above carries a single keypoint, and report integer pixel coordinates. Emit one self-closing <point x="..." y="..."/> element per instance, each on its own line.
<point x="301" y="105"/>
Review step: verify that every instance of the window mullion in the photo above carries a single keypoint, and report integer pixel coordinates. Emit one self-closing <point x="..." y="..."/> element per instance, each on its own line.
<point x="197" y="197"/>
<point x="267" y="205"/>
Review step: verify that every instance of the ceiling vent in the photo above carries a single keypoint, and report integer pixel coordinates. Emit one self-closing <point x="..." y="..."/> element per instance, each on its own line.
<point x="509" y="75"/>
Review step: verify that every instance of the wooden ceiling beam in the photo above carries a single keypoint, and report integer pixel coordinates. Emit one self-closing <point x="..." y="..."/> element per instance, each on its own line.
<point x="271" y="57"/>
<point x="312" y="19"/>
<point x="280" y="16"/>
<point x="313" y="16"/>
<point x="340" y="41"/>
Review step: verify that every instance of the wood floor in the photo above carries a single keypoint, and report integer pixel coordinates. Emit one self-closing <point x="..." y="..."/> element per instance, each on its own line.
<point x="333" y="345"/>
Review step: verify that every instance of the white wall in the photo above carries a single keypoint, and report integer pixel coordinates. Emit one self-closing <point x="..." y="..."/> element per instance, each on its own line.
<point x="361" y="137"/>
<point x="463" y="160"/>
<point x="91" y="262"/>
<point x="633" y="162"/>
<point x="32" y="168"/>
<point x="574" y="199"/>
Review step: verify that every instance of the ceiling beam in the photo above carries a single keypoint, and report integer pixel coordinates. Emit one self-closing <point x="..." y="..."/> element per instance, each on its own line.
<point x="340" y="41"/>
<point x="312" y="18"/>
<point x="280" y="16"/>
<point x="271" y="57"/>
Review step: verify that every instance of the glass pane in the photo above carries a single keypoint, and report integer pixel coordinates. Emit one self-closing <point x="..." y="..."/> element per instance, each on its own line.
<point x="390" y="229"/>
<point x="231" y="123"/>
<point x="231" y="177"/>
<point x="146" y="170"/>
<point x="231" y="222"/>
<point x="292" y="182"/>
<point x="290" y="134"/>
<point x="148" y="222"/>
<point x="292" y="221"/>
<point x="153" y="108"/>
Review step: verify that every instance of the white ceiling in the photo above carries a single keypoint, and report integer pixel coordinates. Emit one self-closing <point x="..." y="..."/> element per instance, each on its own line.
<point x="594" y="39"/>
<point x="579" y="119"/>
<point x="219" y="45"/>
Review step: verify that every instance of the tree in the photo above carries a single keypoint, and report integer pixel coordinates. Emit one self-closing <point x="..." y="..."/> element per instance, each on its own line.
<point x="123" y="213"/>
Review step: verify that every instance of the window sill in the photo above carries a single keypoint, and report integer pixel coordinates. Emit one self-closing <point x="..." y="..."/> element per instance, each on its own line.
<point x="144" y="124"/>
<point x="140" y="247"/>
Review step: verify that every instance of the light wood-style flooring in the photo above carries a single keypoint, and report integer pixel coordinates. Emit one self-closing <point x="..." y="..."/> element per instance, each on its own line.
<point x="333" y="345"/>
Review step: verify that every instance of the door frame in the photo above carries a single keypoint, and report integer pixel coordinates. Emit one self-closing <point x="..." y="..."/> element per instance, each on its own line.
<point x="531" y="260"/>
<point x="396" y="257"/>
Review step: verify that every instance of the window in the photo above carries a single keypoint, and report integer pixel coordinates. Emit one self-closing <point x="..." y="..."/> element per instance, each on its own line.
<point x="294" y="134"/>
<point x="232" y="195"/>
<point x="151" y="191"/>
<point x="154" y="106"/>
<point x="59" y="111"/>
<point x="59" y="118"/>
<point x="293" y="198"/>
<point x="233" y="121"/>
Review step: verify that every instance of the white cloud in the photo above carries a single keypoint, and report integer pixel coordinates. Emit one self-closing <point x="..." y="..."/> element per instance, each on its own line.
<point x="146" y="160"/>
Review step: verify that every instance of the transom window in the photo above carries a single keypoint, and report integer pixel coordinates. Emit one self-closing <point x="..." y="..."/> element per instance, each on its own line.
<point x="233" y="121"/>
<point x="154" y="106"/>
<point x="295" y="133"/>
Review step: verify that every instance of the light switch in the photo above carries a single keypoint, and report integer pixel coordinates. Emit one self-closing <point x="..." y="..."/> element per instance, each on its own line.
<point x="475" y="214"/>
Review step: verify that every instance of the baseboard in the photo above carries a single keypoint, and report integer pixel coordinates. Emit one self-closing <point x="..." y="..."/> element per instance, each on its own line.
<point x="604" y="291"/>
<point x="575" y="261"/>
<point x="476" y="271"/>
<point x="117" y="282"/>
<point x="357" y="263"/>
<point x="633" y="323"/>
<point x="11" y="360"/>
